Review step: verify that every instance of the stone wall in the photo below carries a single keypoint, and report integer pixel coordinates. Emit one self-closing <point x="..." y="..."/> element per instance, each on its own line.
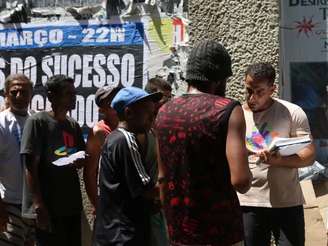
<point x="249" y="29"/>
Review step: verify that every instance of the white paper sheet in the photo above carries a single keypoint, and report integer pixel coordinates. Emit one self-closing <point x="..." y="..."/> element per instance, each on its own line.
<point x="69" y="159"/>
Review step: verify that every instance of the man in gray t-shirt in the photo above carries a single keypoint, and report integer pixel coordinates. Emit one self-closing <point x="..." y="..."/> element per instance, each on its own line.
<point x="18" y="92"/>
<point x="274" y="203"/>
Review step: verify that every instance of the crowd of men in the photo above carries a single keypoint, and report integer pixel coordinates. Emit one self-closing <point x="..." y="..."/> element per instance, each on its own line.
<point x="193" y="170"/>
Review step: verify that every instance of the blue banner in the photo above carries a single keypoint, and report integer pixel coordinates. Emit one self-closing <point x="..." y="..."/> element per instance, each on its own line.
<point x="71" y="36"/>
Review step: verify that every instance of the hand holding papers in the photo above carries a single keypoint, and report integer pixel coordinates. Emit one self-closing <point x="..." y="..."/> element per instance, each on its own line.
<point x="281" y="147"/>
<point x="289" y="146"/>
<point x="69" y="159"/>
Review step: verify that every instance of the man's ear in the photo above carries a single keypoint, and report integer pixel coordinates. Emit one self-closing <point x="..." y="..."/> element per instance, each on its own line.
<point x="128" y="113"/>
<point x="274" y="87"/>
<point x="50" y="96"/>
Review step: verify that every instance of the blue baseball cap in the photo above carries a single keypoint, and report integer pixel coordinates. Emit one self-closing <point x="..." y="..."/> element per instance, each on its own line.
<point x="131" y="95"/>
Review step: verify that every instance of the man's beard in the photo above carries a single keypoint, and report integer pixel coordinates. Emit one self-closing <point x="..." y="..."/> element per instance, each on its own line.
<point x="220" y="89"/>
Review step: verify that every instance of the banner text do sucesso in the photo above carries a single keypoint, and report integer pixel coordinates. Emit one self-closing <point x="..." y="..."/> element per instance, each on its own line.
<point x="99" y="55"/>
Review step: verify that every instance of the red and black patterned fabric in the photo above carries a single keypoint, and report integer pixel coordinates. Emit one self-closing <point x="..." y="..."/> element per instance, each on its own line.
<point x="201" y="205"/>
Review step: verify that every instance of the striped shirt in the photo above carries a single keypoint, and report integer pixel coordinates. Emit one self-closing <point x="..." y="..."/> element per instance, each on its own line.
<point x="123" y="212"/>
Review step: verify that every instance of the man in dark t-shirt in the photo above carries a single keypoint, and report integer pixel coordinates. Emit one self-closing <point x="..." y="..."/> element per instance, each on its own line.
<point x="127" y="174"/>
<point x="56" y="195"/>
<point x="203" y="157"/>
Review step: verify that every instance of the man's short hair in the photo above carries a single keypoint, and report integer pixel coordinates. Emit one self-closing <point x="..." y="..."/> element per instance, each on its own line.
<point x="157" y="84"/>
<point x="57" y="83"/>
<point x="13" y="77"/>
<point x="262" y="71"/>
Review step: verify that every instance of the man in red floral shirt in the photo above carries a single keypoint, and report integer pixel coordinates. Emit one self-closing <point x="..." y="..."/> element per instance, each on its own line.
<point x="203" y="161"/>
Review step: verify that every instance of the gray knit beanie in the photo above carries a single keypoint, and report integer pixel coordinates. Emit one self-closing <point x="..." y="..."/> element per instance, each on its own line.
<point x="208" y="61"/>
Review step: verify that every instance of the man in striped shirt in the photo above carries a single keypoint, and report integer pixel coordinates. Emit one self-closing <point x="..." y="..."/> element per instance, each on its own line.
<point x="127" y="173"/>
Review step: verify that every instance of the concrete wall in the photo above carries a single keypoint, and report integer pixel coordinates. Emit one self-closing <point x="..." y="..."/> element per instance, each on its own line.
<point x="248" y="28"/>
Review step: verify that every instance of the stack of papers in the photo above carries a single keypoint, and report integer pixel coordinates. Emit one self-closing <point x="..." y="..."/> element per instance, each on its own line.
<point x="289" y="146"/>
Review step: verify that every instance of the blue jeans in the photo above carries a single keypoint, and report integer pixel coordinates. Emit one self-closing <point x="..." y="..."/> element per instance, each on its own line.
<point x="285" y="224"/>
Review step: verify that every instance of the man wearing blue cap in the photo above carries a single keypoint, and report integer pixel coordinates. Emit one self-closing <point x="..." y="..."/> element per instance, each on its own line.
<point x="127" y="173"/>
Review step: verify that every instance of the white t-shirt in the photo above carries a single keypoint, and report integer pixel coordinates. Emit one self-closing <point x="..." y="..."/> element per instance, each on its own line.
<point x="11" y="170"/>
<point x="273" y="186"/>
